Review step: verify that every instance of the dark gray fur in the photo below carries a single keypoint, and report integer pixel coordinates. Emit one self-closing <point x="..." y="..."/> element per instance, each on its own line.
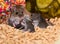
<point x="38" y="20"/>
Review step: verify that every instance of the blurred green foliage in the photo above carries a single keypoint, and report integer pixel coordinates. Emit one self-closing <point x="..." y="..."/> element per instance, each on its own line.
<point x="52" y="8"/>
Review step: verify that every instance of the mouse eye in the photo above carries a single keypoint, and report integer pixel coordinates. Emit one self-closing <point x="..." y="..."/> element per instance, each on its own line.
<point x="16" y="12"/>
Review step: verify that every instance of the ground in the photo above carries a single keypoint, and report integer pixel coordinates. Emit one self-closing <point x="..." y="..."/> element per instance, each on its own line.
<point x="49" y="35"/>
